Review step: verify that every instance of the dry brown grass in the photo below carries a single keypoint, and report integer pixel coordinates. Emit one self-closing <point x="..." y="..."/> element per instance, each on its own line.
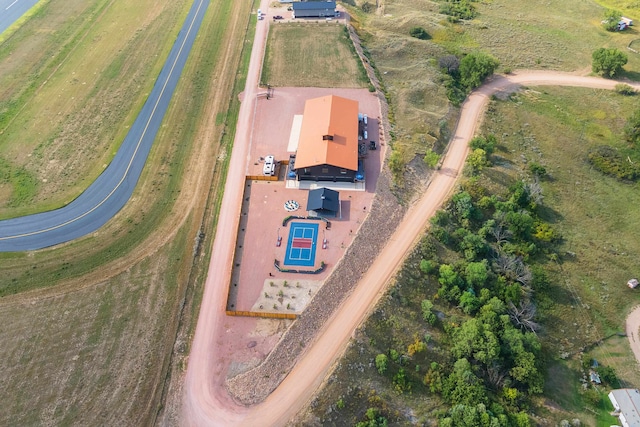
<point x="77" y="91"/>
<point x="90" y="344"/>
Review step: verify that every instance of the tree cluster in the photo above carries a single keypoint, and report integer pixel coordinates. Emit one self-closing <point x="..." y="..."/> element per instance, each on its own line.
<point x="462" y="75"/>
<point x="495" y="364"/>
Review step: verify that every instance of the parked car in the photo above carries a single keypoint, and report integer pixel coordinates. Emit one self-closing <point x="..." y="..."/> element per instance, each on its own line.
<point x="269" y="167"/>
<point x="365" y="135"/>
<point x="278" y="17"/>
<point x="365" y="119"/>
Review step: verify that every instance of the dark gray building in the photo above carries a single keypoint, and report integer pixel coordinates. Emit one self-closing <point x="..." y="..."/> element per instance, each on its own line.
<point x="323" y="202"/>
<point x="314" y="9"/>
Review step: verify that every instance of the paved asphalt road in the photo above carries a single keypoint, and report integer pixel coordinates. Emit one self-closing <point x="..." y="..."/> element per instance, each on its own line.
<point x="113" y="188"/>
<point x="11" y="10"/>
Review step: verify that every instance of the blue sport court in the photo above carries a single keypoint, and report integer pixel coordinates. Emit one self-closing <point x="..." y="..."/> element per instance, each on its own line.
<point x="301" y="247"/>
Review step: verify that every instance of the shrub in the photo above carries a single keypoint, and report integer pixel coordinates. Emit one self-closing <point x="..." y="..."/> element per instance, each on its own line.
<point x="537" y="169"/>
<point x="427" y="311"/>
<point x="632" y="128"/>
<point x="608" y="161"/>
<point x="488" y="144"/>
<point x="381" y="363"/>
<point x="367" y="7"/>
<point x="449" y="64"/>
<point x="431" y="159"/>
<point x="624" y="89"/>
<point x="458" y="9"/>
<point x="419" y="33"/>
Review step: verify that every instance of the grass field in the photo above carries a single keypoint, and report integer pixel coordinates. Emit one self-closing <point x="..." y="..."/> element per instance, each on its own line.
<point x="559" y="36"/>
<point x="90" y="326"/>
<point x="70" y="89"/>
<point x="314" y="55"/>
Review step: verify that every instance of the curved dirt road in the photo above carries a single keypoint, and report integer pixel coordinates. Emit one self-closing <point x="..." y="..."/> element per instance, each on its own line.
<point x="206" y="402"/>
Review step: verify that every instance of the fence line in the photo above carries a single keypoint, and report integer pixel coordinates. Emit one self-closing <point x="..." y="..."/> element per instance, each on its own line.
<point x="261" y="314"/>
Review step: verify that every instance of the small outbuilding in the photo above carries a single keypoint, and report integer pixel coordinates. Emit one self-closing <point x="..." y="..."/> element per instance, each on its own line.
<point x="314" y="9"/>
<point x="626" y="402"/>
<point x="632" y="283"/>
<point x="323" y="202"/>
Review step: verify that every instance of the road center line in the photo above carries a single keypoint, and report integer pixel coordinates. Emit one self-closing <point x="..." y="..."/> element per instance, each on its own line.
<point x="14" y="2"/>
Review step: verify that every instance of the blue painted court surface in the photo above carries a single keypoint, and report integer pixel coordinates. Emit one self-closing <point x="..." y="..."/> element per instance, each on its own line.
<point x="301" y="246"/>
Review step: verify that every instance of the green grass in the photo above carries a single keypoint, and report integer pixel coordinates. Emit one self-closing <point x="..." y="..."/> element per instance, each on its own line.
<point x="315" y="55"/>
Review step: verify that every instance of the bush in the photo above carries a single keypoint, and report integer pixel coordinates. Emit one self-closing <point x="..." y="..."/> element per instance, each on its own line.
<point x="431" y="159"/>
<point x="427" y="311"/>
<point x="381" y="363"/>
<point x="624" y="89"/>
<point x="419" y="33"/>
<point x="458" y="9"/>
<point x="632" y="128"/>
<point x="488" y="144"/>
<point x="537" y="169"/>
<point x="367" y="7"/>
<point x="608" y="161"/>
<point x="449" y="64"/>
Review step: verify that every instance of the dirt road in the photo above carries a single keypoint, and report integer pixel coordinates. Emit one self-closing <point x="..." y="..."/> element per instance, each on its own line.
<point x="632" y="328"/>
<point x="206" y="402"/>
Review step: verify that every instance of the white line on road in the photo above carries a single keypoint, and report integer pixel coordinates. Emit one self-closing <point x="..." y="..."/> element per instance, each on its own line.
<point x="14" y="2"/>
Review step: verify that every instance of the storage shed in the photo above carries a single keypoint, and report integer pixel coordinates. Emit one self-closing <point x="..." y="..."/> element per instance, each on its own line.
<point x="314" y="9"/>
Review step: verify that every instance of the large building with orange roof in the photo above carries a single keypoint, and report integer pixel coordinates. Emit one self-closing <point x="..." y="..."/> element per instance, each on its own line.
<point x="328" y="144"/>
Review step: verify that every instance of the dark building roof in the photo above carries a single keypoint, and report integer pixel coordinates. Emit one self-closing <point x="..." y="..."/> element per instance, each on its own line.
<point x="312" y="5"/>
<point x="323" y="200"/>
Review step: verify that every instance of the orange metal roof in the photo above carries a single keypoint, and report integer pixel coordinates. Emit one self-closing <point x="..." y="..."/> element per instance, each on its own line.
<point x="329" y="115"/>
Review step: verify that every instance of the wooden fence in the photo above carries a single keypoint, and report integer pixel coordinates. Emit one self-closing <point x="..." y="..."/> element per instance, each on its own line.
<point x="262" y="314"/>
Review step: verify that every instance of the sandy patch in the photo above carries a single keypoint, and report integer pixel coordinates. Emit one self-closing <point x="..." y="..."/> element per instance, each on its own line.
<point x="286" y="296"/>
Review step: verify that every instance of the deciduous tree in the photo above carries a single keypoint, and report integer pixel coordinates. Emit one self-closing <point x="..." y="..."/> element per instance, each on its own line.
<point x="608" y="61"/>
<point x="475" y="67"/>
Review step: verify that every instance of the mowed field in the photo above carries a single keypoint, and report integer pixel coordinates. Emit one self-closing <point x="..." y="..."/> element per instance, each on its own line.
<point x="89" y="327"/>
<point x="311" y="55"/>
